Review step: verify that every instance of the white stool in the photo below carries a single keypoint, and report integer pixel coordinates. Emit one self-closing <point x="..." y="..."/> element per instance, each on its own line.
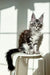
<point x="22" y="65"/>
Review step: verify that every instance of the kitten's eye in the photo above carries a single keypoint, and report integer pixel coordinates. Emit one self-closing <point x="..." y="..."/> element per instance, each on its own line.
<point x="32" y="24"/>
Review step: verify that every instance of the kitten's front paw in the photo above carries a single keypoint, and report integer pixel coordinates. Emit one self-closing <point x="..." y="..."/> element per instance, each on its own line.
<point x="33" y="52"/>
<point x="37" y="52"/>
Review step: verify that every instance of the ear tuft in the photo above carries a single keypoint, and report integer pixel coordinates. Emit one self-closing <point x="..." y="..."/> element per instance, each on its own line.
<point x="33" y="17"/>
<point x="41" y="18"/>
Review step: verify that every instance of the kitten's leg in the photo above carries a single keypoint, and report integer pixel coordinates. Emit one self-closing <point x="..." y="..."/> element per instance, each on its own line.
<point x="26" y="48"/>
<point x="31" y="49"/>
<point x="37" y="49"/>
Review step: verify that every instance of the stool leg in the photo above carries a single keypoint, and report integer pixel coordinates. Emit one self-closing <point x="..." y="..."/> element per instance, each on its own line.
<point x="21" y="67"/>
<point x="30" y="67"/>
<point x="12" y="72"/>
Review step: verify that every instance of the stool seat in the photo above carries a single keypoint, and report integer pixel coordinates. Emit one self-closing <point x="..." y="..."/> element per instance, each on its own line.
<point x="31" y="55"/>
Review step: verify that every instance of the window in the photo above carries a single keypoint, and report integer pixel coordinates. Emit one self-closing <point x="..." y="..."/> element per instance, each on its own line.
<point x="8" y="31"/>
<point x="8" y="35"/>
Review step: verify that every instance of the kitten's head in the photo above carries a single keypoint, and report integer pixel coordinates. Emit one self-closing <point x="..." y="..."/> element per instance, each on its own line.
<point x="36" y="24"/>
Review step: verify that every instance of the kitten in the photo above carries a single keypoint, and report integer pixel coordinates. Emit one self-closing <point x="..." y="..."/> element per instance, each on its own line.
<point x="35" y="28"/>
<point x="29" y="40"/>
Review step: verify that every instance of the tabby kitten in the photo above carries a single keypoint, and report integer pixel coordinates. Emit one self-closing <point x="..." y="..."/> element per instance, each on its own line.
<point x="36" y="34"/>
<point x="29" y="40"/>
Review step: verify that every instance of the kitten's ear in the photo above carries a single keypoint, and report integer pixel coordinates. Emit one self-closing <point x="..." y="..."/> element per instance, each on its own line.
<point x="33" y="17"/>
<point x="41" y="18"/>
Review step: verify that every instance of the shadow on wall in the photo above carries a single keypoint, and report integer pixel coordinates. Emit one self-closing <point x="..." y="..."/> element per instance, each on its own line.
<point x="22" y="6"/>
<point x="8" y="3"/>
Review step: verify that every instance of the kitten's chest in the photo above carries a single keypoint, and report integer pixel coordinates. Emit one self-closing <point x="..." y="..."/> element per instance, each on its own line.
<point x="35" y="37"/>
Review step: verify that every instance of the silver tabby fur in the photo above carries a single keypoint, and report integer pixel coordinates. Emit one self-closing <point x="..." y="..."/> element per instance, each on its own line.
<point x="36" y="35"/>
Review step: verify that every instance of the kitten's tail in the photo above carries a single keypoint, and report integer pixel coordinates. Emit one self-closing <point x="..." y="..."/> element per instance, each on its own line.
<point x="9" y="59"/>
